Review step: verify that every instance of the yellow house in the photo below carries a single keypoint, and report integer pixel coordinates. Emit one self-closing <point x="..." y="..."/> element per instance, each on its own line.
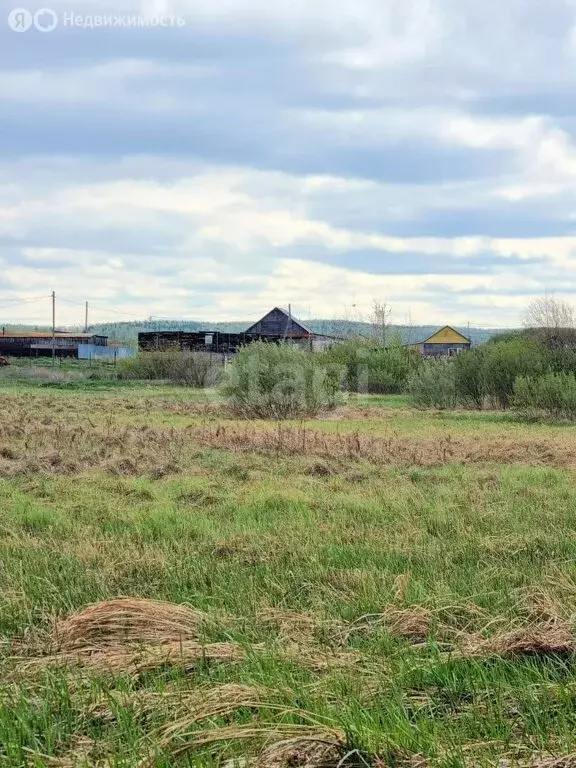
<point x="447" y="342"/>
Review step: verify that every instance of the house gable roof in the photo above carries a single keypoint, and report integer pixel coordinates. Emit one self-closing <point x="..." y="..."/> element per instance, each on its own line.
<point x="289" y="318"/>
<point x="446" y="335"/>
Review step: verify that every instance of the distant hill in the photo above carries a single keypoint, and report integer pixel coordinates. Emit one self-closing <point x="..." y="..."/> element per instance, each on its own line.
<point x="127" y="332"/>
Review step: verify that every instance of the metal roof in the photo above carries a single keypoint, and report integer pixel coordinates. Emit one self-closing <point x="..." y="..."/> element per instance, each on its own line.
<point x="444" y="328"/>
<point x="46" y="335"/>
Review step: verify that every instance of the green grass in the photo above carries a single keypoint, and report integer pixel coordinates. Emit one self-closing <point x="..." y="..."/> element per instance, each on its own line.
<point x="482" y="547"/>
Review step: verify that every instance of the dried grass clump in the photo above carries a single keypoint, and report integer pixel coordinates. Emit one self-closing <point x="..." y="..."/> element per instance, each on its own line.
<point x="301" y="627"/>
<point x="550" y="639"/>
<point x="131" y="636"/>
<point x="319" y="659"/>
<point x="566" y="761"/>
<point x="198" y="703"/>
<point x="85" y="753"/>
<point x="396" y="451"/>
<point x="206" y="703"/>
<point x="548" y="761"/>
<point x="310" y="752"/>
<point x="413" y="624"/>
<point x="278" y="737"/>
<point x="135" y="661"/>
<point x="63" y="446"/>
<point x="128" y="621"/>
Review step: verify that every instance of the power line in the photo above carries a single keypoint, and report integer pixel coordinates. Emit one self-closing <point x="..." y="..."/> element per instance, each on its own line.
<point x="101" y="309"/>
<point x="23" y="300"/>
<point x="17" y="304"/>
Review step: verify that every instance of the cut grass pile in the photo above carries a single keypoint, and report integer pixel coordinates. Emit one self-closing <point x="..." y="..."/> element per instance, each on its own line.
<point x="178" y="588"/>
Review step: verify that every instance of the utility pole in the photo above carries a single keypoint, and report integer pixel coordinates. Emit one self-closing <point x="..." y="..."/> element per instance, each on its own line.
<point x="86" y="320"/>
<point x="53" y="327"/>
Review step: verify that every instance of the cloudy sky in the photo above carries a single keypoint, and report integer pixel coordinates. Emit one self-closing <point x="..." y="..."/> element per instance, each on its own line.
<point x="421" y="152"/>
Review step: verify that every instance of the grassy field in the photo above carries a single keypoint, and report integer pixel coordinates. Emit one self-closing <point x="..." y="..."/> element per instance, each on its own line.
<point x="378" y="587"/>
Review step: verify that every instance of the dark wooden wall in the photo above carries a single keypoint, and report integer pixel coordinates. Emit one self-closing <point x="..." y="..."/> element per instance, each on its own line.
<point x="277" y="323"/>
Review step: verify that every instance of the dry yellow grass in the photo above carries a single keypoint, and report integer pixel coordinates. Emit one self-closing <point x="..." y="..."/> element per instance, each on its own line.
<point x="128" y="621"/>
<point x="133" y="636"/>
<point x="301" y="627"/>
<point x="548" y="639"/>
<point x="392" y="450"/>
<point x="364" y="582"/>
<point x="284" y="741"/>
<point x="59" y="445"/>
<point x="186" y="655"/>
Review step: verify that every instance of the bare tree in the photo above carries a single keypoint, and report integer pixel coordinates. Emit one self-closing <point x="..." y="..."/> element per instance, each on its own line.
<point x="380" y="320"/>
<point x="552" y="320"/>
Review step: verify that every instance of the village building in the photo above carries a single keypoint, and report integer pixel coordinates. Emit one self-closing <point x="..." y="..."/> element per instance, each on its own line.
<point x="277" y="325"/>
<point x="41" y="344"/>
<point x="447" y="342"/>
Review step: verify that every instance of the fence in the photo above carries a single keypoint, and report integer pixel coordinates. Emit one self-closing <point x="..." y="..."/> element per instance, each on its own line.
<point x="94" y="352"/>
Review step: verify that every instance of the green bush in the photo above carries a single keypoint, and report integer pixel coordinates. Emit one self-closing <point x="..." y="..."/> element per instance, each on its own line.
<point x="562" y="360"/>
<point x="193" y="369"/>
<point x="197" y="369"/>
<point x="504" y="362"/>
<point x="553" y="394"/>
<point x="147" y="365"/>
<point x="488" y="373"/>
<point x="470" y="381"/>
<point x="280" y="381"/>
<point x="433" y="385"/>
<point x="373" y="369"/>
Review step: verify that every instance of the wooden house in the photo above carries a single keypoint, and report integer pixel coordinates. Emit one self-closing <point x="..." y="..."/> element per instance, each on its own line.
<point x="280" y="325"/>
<point x="447" y="342"/>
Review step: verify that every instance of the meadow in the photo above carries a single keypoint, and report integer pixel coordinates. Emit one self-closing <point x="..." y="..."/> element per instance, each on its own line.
<point x="380" y="586"/>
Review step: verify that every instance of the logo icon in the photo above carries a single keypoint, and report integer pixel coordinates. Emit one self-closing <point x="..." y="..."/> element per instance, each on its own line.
<point x="45" y="20"/>
<point x="20" y="20"/>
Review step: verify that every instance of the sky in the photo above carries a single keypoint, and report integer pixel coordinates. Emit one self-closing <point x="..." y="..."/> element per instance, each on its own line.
<point x="221" y="157"/>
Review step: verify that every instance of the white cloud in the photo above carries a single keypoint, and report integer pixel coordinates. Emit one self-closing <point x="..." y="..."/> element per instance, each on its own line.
<point x="305" y="152"/>
<point x="230" y="261"/>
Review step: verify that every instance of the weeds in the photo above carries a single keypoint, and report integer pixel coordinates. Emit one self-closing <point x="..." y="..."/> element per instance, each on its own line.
<point x="384" y="587"/>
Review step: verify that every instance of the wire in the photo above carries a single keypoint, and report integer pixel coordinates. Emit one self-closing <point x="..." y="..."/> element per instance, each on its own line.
<point x="69" y="301"/>
<point x="100" y="308"/>
<point x="10" y="306"/>
<point x="22" y="300"/>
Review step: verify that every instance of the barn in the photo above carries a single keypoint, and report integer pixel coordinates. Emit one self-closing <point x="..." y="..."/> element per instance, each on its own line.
<point x="280" y="325"/>
<point x="40" y="344"/>
<point x="277" y="325"/>
<point x="447" y="342"/>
